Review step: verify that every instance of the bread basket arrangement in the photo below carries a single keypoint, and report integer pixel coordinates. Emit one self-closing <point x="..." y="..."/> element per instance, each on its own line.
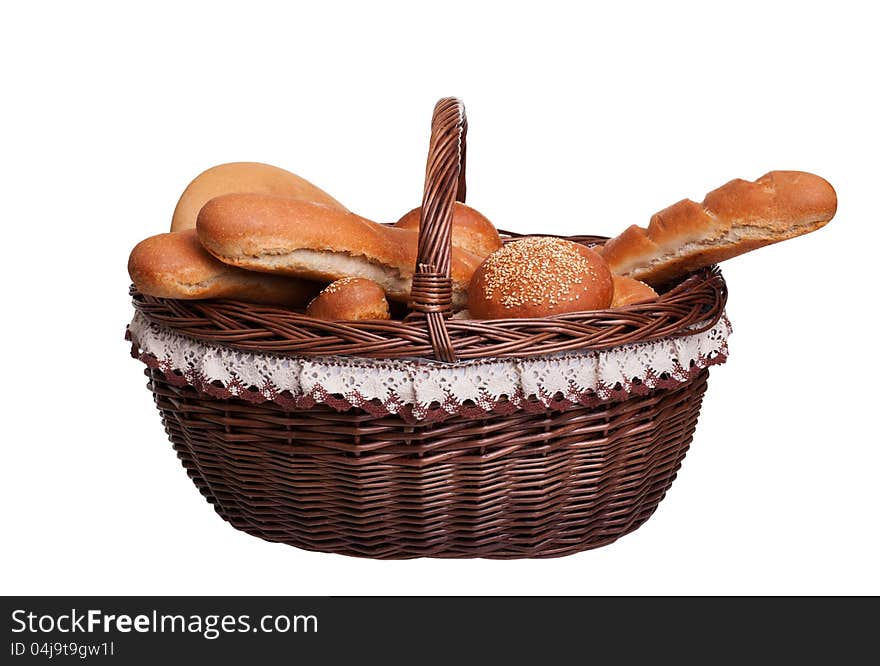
<point x="457" y="423"/>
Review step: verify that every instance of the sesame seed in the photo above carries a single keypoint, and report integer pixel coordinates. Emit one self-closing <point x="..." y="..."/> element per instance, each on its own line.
<point x="333" y="287"/>
<point x="536" y="271"/>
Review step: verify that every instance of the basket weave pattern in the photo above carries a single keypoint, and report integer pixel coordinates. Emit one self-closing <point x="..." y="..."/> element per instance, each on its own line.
<point x="526" y="485"/>
<point x="526" y="482"/>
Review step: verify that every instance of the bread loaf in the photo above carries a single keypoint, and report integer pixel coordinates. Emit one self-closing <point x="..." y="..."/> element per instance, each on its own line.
<point x="471" y="230"/>
<point x="243" y="177"/>
<point x="319" y="242"/>
<point x="350" y="299"/>
<point x="737" y="217"/>
<point x="539" y="277"/>
<point x="175" y="265"/>
<point x="629" y="292"/>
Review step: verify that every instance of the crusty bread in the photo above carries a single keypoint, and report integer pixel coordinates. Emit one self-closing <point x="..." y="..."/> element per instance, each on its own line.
<point x="471" y="230"/>
<point x="737" y="217"/>
<point x="175" y="265"/>
<point x="629" y="292"/>
<point x="243" y="177"/>
<point x="539" y="277"/>
<point x="350" y="299"/>
<point x="315" y="241"/>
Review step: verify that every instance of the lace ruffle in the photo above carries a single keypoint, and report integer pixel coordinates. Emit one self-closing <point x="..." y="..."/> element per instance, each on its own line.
<point x="421" y="390"/>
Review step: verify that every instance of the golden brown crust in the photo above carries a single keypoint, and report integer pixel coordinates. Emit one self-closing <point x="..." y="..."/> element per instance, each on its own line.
<point x="243" y="177"/>
<point x="629" y="292"/>
<point x="315" y="241"/>
<point x="735" y="218"/>
<point x="350" y="299"/>
<point x="683" y="222"/>
<point x="776" y="201"/>
<point x="471" y="230"/>
<point x="539" y="277"/>
<point x="629" y="249"/>
<point x="175" y="265"/>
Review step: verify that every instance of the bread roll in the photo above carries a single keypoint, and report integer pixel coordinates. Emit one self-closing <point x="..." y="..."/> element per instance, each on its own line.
<point x="350" y="299"/>
<point x="737" y="217"/>
<point x="539" y="277"/>
<point x="175" y="265"/>
<point x="471" y="230"/>
<point x="315" y="241"/>
<point x="243" y="177"/>
<point x="629" y="292"/>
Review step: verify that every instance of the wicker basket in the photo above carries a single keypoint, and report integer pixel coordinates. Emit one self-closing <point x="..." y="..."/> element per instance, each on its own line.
<point x="539" y="478"/>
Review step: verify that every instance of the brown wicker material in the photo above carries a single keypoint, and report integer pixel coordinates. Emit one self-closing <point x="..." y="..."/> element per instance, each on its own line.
<point x="524" y="485"/>
<point x="693" y="306"/>
<point x="528" y="483"/>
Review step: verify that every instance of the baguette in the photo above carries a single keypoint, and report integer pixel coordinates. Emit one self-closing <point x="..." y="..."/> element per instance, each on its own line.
<point x="318" y="242"/>
<point x="243" y="177"/>
<point x="175" y="265"/>
<point x="736" y="218"/>
<point x="629" y="292"/>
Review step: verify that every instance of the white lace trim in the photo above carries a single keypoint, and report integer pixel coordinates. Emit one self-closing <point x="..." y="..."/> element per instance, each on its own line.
<point x="420" y="387"/>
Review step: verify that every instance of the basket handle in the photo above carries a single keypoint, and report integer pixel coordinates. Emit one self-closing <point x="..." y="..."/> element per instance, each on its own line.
<point x="431" y="295"/>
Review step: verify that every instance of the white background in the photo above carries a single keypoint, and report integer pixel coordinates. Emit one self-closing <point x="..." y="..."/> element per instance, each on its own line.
<point x="581" y="120"/>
